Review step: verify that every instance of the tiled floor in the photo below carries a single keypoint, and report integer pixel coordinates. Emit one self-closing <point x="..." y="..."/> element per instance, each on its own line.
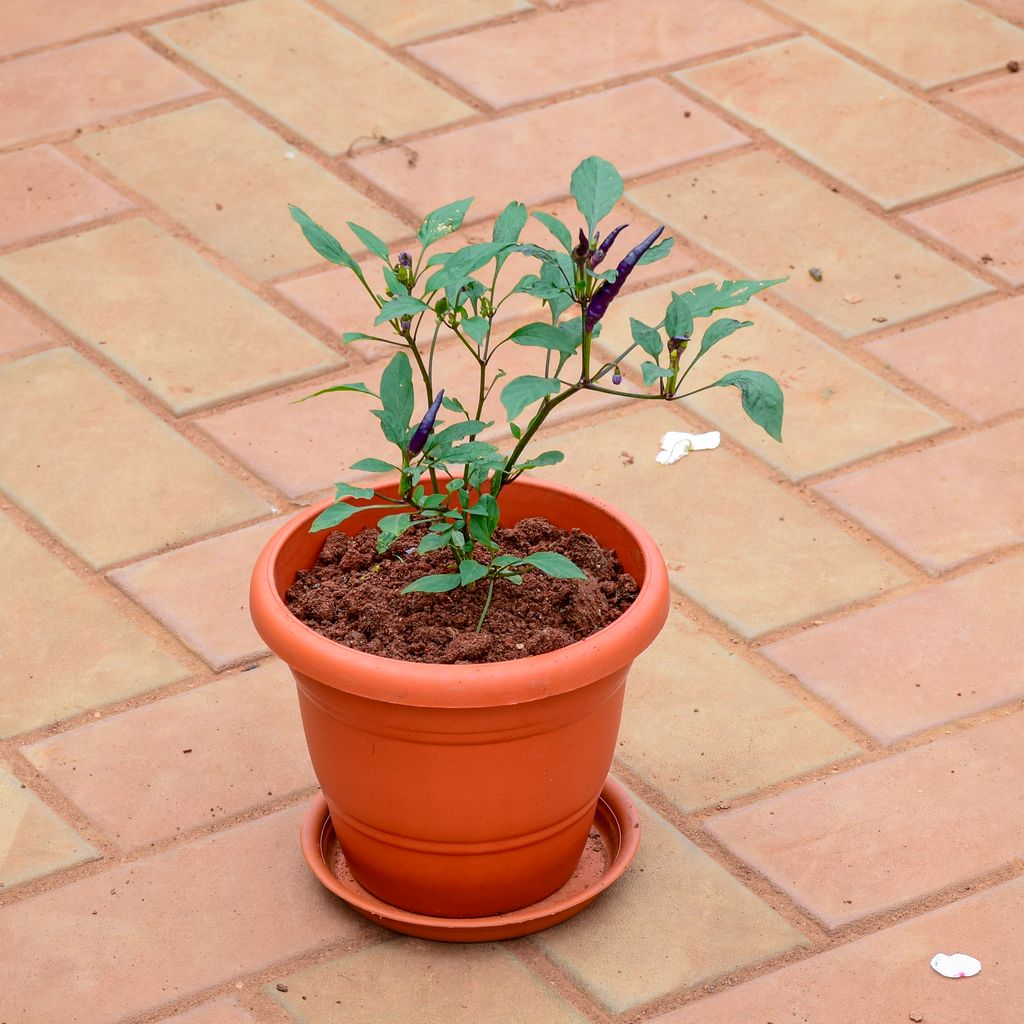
<point x="826" y="741"/>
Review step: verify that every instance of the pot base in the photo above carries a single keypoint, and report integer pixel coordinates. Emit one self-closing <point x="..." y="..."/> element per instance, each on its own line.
<point x="614" y="839"/>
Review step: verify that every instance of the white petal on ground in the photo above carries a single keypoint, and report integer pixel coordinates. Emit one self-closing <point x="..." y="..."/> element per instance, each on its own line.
<point x="955" y="965"/>
<point x="675" y="444"/>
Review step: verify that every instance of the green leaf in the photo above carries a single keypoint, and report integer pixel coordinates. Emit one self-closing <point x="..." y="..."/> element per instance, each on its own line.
<point x="398" y="399"/>
<point x="544" y="459"/>
<point x="646" y="337"/>
<point x="718" y="330"/>
<point x="441" y="438"/>
<point x="540" y="335"/>
<point x="373" y="466"/>
<point x="521" y="392"/>
<point x="709" y="298"/>
<point x="344" y="490"/>
<point x="360" y="388"/>
<point x="434" y="584"/>
<point x="553" y="564"/>
<point x="652" y="372"/>
<point x="597" y="187"/>
<point x="461" y="263"/>
<point x="334" y="514"/>
<point x="391" y="528"/>
<point x="762" y="398"/>
<point x="539" y="252"/>
<point x="556" y="227"/>
<point x="370" y="241"/>
<point x="678" y="317"/>
<point x="473" y="451"/>
<point x="432" y="542"/>
<point x="453" y="405"/>
<point x="657" y="252"/>
<point x="391" y="279"/>
<point x="443" y="221"/>
<point x="349" y="336"/>
<point x="470" y="571"/>
<point x="476" y="327"/>
<point x="403" y="305"/>
<point x="510" y="224"/>
<point x="324" y="242"/>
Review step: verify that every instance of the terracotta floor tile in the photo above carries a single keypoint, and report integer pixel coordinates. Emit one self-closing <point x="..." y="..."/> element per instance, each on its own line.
<point x="984" y="226"/>
<point x="885" y="833"/>
<point x="526" y="59"/>
<point x="17" y="332"/>
<point x="836" y="412"/>
<point x="1011" y="10"/>
<point x="944" y="505"/>
<point x="769" y="220"/>
<point x="240" y="45"/>
<point x="881" y="140"/>
<point x="201" y="593"/>
<point x="41" y="190"/>
<point x="397" y="22"/>
<point x="998" y="103"/>
<point x="229" y="180"/>
<point x="743" y="547"/>
<point x="63" y="647"/>
<point x="921" y="660"/>
<point x="113" y="482"/>
<point x="674" y="919"/>
<point x="75" y="86"/>
<point x="35" y="841"/>
<point x="432" y="981"/>
<point x="962" y="38"/>
<point x="120" y="289"/>
<point x="28" y="23"/>
<point x="245" y="748"/>
<point x="701" y="724"/>
<point x="497" y="161"/>
<point x="972" y="360"/>
<point x="221" y="1011"/>
<point x="886" y="977"/>
<point x="182" y="921"/>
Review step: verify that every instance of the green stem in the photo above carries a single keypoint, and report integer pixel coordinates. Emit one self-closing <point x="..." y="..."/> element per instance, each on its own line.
<point x="487" y="604"/>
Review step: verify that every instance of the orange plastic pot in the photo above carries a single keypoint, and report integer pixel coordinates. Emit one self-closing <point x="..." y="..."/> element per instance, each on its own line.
<point x="463" y="790"/>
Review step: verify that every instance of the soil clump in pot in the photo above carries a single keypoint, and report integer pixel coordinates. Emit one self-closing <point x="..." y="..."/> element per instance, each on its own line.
<point x="353" y="595"/>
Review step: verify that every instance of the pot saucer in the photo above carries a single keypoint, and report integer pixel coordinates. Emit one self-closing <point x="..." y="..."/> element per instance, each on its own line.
<point x="613" y="842"/>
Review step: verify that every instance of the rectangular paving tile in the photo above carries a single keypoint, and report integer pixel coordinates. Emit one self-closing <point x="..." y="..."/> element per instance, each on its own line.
<point x="770" y="220"/>
<point x="33" y="840"/>
<point x="998" y="103"/>
<point x="984" y="226"/>
<point x="397" y="22"/>
<point x="431" y="981"/>
<point x="41" y="190"/>
<point x="972" y="360"/>
<point x="185" y="761"/>
<point x="748" y="550"/>
<point x="526" y="59"/>
<point x="871" y="122"/>
<point x="28" y="23"/>
<point x="114" y="482"/>
<point x="63" y="647"/>
<point x="120" y="288"/>
<point x="496" y="161"/>
<point x="220" y="1011"/>
<point x="180" y="922"/>
<point x="229" y="180"/>
<point x="921" y="660"/>
<point x="61" y="90"/>
<point x="702" y="724"/>
<point x="17" y="332"/>
<point x="240" y="45"/>
<point x="886" y="977"/>
<point x="836" y="412"/>
<point x="962" y="38"/>
<point x="900" y="829"/>
<point x="943" y="505"/>
<point x="674" y="919"/>
<point x="201" y="593"/>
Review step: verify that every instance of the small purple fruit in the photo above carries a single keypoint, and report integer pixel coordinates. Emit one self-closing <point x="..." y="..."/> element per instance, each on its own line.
<point x="422" y="432"/>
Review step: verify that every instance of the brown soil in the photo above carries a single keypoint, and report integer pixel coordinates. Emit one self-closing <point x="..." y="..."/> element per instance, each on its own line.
<point x="352" y="595"/>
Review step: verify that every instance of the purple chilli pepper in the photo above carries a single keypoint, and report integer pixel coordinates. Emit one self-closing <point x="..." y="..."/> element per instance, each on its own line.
<point x="602" y="298"/>
<point x="422" y="432"/>
<point x="602" y="250"/>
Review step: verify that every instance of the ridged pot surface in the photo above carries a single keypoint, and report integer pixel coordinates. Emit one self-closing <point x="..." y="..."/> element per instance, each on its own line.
<point x="463" y="790"/>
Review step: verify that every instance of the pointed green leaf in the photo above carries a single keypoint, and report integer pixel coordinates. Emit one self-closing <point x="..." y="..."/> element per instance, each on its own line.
<point x="324" y="242"/>
<point x="646" y="337"/>
<point x="403" y="305"/>
<point x="349" y="336"/>
<point x="370" y="241"/>
<point x="597" y="187"/>
<point x="553" y="564"/>
<point x="657" y="252"/>
<point x="470" y="571"/>
<point x="391" y="279"/>
<point x="521" y="392"/>
<point x="443" y="221"/>
<point x="709" y="298"/>
<point x="461" y="263"/>
<point x="398" y="399"/>
<point x="434" y="584"/>
<point x="360" y="388"/>
<point x="433" y="542"/>
<point x="679" y="317"/>
<point x="720" y="329"/>
<point x="544" y="459"/>
<point x="440" y="439"/>
<point x="334" y="514"/>
<point x="556" y="227"/>
<point x="762" y="398"/>
<point x="476" y="327"/>
<point x="391" y="528"/>
<point x="344" y="490"/>
<point x="510" y="224"/>
<point x="373" y="466"/>
<point x="540" y="335"/>
<point x="652" y="372"/>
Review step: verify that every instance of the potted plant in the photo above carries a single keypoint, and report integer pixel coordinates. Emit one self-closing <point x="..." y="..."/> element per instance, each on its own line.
<point x="463" y="727"/>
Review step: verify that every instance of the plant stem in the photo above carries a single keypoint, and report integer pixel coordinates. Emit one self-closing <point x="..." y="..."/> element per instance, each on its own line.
<point x="487" y="604"/>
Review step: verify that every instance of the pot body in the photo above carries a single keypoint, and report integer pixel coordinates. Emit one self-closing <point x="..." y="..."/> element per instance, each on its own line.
<point x="463" y="790"/>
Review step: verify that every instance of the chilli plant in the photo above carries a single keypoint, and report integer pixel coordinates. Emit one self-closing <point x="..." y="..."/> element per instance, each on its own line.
<point x="450" y="481"/>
